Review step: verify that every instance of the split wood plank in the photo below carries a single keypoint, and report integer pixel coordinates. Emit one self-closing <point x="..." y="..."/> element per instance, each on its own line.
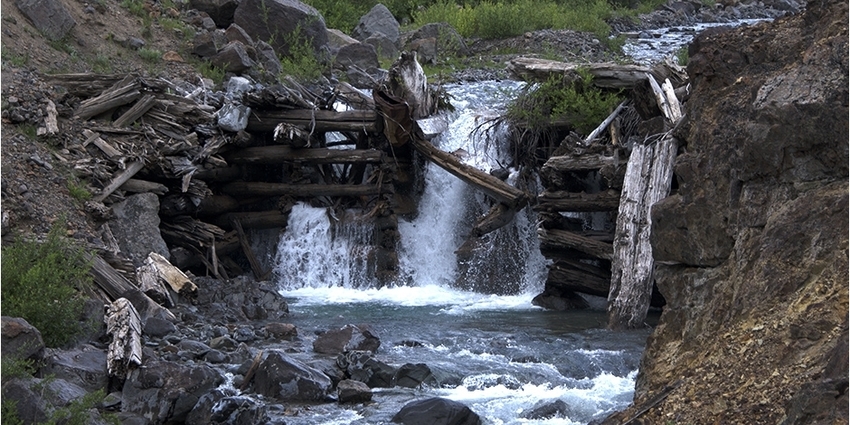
<point x="565" y="276"/>
<point x="125" y="327"/>
<point x="246" y="249"/>
<point x="579" y="163"/>
<point x="144" y="186"/>
<point x="121" y="93"/>
<point x="277" y="154"/>
<point x="599" y="129"/>
<point x="307" y="190"/>
<point x="140" y="108"/>
<point x="103" y="145"/>
<point x="313" y="120"/>
<point x="119" y="179"/>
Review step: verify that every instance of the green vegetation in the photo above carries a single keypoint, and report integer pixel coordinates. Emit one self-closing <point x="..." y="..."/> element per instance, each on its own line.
<point x="15" y="59"/>
<point x="150" y="55"/>
<point x="41" y="283"/>
<point x="9" y="412"/>
<point x="177" y="27"/>
<point x="101" y="64"/>
<point x="78" y="190"/>
<point x="77" y="413"/>
<point x="682" y="56"/>
<point x="13" y="367"/>
<point x="301" y="62"/>
<point x="210" y="71"/>
<point x="577" y="103"/>
<point x="28" y="130"/>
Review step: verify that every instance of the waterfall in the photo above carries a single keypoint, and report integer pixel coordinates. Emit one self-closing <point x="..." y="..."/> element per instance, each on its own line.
<point x="322" y="251"/>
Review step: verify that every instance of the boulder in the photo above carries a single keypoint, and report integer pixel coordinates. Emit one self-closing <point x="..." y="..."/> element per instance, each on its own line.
<point x="236" y="33"/>
<point x="20" y="339"/>
<point x="158" y="327"/>
<point x="233" y="57"/>
<point x="546" y="410"/>
<point x="425" y="49"/>
<point x="221" y="406"/>
<point x="136" y="227"/>
<point x="364" y="367"/>
<point x="281" y="331"/>
<point x="384" y="46"/>
<point x="347" y="338"/>
<point x="165" y="392"/>
<point x="233" y="117"/>
<point x="446" y="40"/>
<point x="360" y="55"/>
<point x="337" y="39"/>
<point x="287" y="379"/>
<point x="84" y="366"/>
<point x="277" y="21"/>
<point x="412" y="375"/>
<point x="378" y="20"/>
<point x="30" y="406"/>
<point x="350" y="391"/>
<point x="206" y="44"/>
<point x="268" y="60"/>
<point x="436" y="411"/>
<point x="50" y="17"/>
<point x="220" y="11"/>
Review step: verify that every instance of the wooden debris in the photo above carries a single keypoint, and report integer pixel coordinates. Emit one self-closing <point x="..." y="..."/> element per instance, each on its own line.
<point x="125" y="328"/>
<point x="108" y="279"/>
<point x="164" y="273"/>
<point x="134" y="113"/>
<point x="144" y="186"/>
<point x="306" y="190"/>
<point x="246" y="249"/>
<point x="276" y="154"/>
<point x="599" y="129"/>
<point x="92" y="137"/>
<point x="256" y="219"/>
<point x="51" y="121"/>
<point x="289" y="134"/>
<point x="119" y="179"/>
<point x="562" y="239"/>
<point x="557" y="201"/>
<point x="249" y="375"/>
<point x="313" y="120"/>
<point x="605" y="75"/>
<point x="122" y="93"/>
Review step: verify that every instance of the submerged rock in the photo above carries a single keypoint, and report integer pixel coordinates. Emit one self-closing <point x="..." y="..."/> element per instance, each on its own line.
<point x="436" y="411"/>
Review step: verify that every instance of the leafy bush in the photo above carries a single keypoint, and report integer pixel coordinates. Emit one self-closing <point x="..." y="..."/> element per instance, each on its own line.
<point x="41" y="283"/>
<point x="301" y="62"/>
<point x="578" y="103"/>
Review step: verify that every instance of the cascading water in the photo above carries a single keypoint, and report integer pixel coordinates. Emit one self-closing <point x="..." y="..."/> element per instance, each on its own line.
<point x="471" y="320"/>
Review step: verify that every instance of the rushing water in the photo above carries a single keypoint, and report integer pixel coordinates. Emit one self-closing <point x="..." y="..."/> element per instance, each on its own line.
<point x="498" y="354"/>
<point x="651" y="45"/>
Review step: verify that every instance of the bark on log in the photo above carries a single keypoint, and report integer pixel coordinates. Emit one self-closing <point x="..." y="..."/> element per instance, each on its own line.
<point x="499" y="216"/>
<point x="119" y="179"/>
<point x="558" y="239"/>
<point x="492" y="186"/>
<point x="566" y="276"/>
<point x="313" y="120"/>
<point x="307" y="190"/>
<point x="277" y="154"/>
<point x="577" y="202"/>
<point x="125" y="327"/>
<point x="648" y="180"/>
<point x="579" y="163"/>
<point x="408" y="81"/>
<point x="605" y="75"/>
<point x="121" y="93"/>
<point x="256" y="219"/>
<point x="51" y="120"/>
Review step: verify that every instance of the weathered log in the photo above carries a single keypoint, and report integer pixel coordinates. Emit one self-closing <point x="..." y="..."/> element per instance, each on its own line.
<point x="648" y="179"/>
<point x="492" y="186"/>
<point x="166" y="274"/>
<point x="223" y="174"/>
<point x="558" y="239"/>
<point x="307" y="190"/>
<point x="92" y="137"/>
<point x="51" y="120"/>
<point x="608" y="200"/>
<point x="289" y="134"/>
<point x="605" y="123"/>
<point x="125" y="327"/>
<point x="605" y="75"/>
<point x="579" y="163"/>
<point x="85" y="84"/>
<point x="354" y="97"/>
<point x="276" y="154"/>
<point x="119" y="179"/>
<point x="216" y="205"/>
<point x="190" y="233"/>
<point x="140" y="108"/>
<point x="313" y="120"/>
<point x="407" y="80"/>
<point x="107" y="278"/>
<point x="499" y="216"/>
<point x="255" y="219"/>
<point x="144" y="186"/>
<point x="149" y="283"/>
<point x="249" y="375"/>
<point x="246" y="249"/>
<point x="567" y="276"/>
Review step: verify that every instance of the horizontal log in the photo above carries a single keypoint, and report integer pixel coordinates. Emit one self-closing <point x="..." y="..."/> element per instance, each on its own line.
<point x="222" y="174"/>
<point x="255" y="219"/>
<point x="492" y="186"/>
<point x="557" y="201"/>
<point x="566" y="276"/>
<point x="306" y="190"/>
<point x="605" y="75"/>
<point x="322" y="120"/>
<point x="579" y="163"/>
<point x="556" y="239"/>
<point x="276" y="154"/>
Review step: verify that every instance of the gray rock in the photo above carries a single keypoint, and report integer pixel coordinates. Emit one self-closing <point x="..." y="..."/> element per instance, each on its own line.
<point x="433" y="411"/>
<point x="412" y="375"/>
<point x="215" y="357"/>
<point x="350" y="391"/>
<point x="158" y="327"/>
<point x="364" y="367"/>
<point x="276" y="21"/>
<point x="30" y="406"/>
<point x="136" y="227"/>
<point x="50" y="17"/>
<point x="281" y="331"/>
<point x="546" y="410"/>
<point x="285" y="378"/>
<point x="20" y="339"/>
<point x="347" y="338"/>
<point x="360" y="55"/>
<point x="195" y="347"/>
<point x="337" y="39"/>
<point x="207" y="44"/>
<point x="236" y="33"/>
<point x="233" y="117"/>
<point x="223" y="343"/>
<point x="84" y="366"/>
<point x="165" y="392"/>
<point x="384" y="46"/>
<point x="425" y="49"/>
<point x="360" y="78"/>
<point x="220" y="11"/>
<point x="233" y="57"/>
<point x="244" y="334"/>
<point x="222" y="407"/>
<point x="268" y="59"/>
<point x="61" y="393"/>
<point x="447" y="41"/>
<point x="378" y="20"/>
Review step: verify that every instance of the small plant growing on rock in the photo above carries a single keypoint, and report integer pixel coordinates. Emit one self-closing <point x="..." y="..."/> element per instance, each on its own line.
<point x="78" y="190"/>
<point x="42" y="284"/>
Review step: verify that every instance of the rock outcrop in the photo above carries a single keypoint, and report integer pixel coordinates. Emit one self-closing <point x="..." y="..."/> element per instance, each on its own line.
<point x="754" y="243"/>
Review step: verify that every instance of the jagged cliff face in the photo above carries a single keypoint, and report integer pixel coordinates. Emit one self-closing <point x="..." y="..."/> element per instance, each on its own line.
<point x="753" y="246"/>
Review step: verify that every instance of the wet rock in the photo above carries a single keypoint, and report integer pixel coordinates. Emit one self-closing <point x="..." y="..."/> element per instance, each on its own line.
<point x="558" y="299"/>
<point x="233" y="57"/>
<point x="158" y="327"/>
<point x="288" y="17"/>
<point x="351" y="391"/>
<point x="379" y="20"/>
<point x="285" y="378"/>
<point x="20" y="339"/>
<point x="281" y="331"/>
<point x="165" y="391"/>
<point x="220" y="11"/>
<point x="436" y="411"/>
<point x="233" y="117"/>
<point x="360" y="55"/>
<point x="225" y="407"/>
<point x="49" y="17"/>
<point x="244" y="334"/>
<point x="546" y="410"/>
<point x="136" y="228"/>
<point x="412" y="375"/>
<point x="347" y="338"/>
<point x="364" y="367"/>
<point x="84" y="366"/>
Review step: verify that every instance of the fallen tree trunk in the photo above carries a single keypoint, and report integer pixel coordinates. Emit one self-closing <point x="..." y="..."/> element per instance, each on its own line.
<point x="578" y="202"/>
<point x="222" y="174"/>
<point x="566" y="276"/>
<point x="256" y="219"/>
<point x="119" y="179"/>
<point x="121" y="93"/>
<point x="560" y="239"/>
<point x="313" y="120"/>
<point x="605" y="75"/>
<point x="125" y="327"/>
<point x="499" y="216"/>
<point x="579" y="163"/>
<point x="277" y="154"/>
<point x="307" y="190"/>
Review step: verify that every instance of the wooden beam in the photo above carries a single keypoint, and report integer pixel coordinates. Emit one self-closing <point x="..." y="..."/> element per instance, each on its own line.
<point x="246" y="249"/>
<point x="317" y="120"/>
<point x="307" y="190"/>
<point x="559" y="201"/>
<point x="125" y="328"/>
<point x="140" y="108"/>
<point x="119" y="179"/>
<point x="605" y="75"/>
<point x="579" y="163"/>
<point x="567" y="276"/>
<point x="276" y="154"/>
<point x="256" y="219"/>
<point x="555" y="239"/>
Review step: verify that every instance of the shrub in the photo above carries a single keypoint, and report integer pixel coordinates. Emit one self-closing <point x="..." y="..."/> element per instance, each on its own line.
<point x="578" y="103"/>
<point x="41" y="283"/>
<point x="150" y="55"/>
<point x="78" y="190"/>
<point x="301" y="62"/>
